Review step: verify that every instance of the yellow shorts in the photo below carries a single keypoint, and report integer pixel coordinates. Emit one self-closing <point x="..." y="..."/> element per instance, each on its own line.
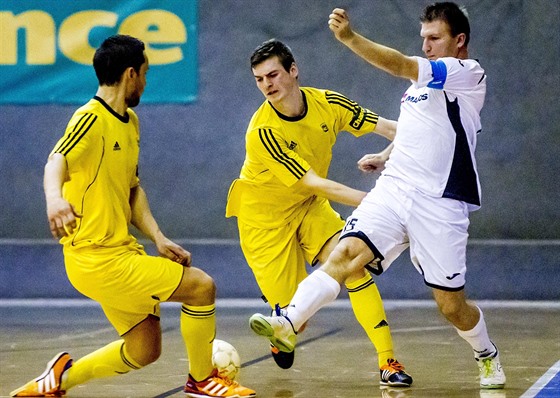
<point x="128" y="283"/>
<point x="278" y="256"/>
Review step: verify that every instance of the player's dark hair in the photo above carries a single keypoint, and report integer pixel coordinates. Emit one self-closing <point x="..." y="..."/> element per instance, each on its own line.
<point x="456" y="18"/>
<point x="271" y="48"/>
<point x="115" y="55"/>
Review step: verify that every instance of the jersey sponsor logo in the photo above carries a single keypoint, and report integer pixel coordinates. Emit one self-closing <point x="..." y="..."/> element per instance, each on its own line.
<point x="325" y="127"/>
<point x="413" y="99"/>
<point x="359" y="118"/>
<point x="360" y="115"/>
<point x="116" y="147"/>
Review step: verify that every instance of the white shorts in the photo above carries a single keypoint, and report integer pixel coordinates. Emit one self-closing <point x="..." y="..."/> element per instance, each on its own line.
<point x="394" y="216"/>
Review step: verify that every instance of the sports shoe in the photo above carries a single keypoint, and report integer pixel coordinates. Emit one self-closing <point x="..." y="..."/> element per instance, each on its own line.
<point x="216" y="386"/>
<point x="278" y="329"/>
<point x="285" y="360"/>
<point x="393" y="374"/>
<point x="492" y="375"/>
<point x="48" y="384"/>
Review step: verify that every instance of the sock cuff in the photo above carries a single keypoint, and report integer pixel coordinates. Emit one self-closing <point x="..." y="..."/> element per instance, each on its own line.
<point x="477" y="328"/>
<point x="328" y="281"/>
<point x="360" y="284"/>
<point x="127" y="359"/>
<point x="199" y="311"/>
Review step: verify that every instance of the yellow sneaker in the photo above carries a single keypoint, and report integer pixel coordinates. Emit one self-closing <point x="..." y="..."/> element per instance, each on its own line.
<point x="48" y="384"/>
<point x="216" y="386"/>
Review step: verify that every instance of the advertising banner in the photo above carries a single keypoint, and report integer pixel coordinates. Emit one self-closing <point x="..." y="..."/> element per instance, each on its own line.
<point x="47" y="47"/>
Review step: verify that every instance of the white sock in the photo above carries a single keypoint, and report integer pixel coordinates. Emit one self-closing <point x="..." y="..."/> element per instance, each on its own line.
<point x="478" y="338"/>
<point x="313" y="293"/>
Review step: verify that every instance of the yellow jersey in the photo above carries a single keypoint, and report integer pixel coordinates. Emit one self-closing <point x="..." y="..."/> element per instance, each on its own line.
<point x="101" y="149"/>
<point x="281" y="149"/>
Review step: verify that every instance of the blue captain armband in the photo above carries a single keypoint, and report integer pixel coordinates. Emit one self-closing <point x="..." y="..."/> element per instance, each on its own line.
<point x="439" y="74"/>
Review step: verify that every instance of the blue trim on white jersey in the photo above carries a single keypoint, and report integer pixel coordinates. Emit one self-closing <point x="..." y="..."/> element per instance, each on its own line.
<point x="439" y="74"/>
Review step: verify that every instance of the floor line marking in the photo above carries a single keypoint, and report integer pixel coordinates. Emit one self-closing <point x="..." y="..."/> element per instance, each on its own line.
<point x="539" y="385"/>
<point x="259" y="359"/>
<point x="61" y="338"/>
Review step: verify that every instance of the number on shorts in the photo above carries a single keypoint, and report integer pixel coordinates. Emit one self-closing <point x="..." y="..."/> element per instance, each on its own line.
<point x="350" y="224"/>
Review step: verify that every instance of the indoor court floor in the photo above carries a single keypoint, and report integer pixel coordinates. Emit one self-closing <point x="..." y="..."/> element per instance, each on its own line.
<point x="333" y="359"/>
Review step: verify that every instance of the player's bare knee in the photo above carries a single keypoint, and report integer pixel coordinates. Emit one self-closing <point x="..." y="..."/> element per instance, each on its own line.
<point x="452" y="305"/>
<point x="206" y="285"/>
<point x="150" y="354"/>
<point x="341" y="255"/>
<point x="201" y="288"/>
<point x="196" y="288"/>
<point x="355" y="255"/>
<point x="341" y="262"/>
<point x="154" y="354"/>
<point x="449" y="310"/>
<point x="140" y="353"/>
<point x="452" y="310"/>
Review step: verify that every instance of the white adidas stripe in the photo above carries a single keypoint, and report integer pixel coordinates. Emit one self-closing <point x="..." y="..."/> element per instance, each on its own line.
<point x="46" y="382"/>
<point x="41" y="386"/>
<point x="386" y="374"/>
<point x="215" y="388"/>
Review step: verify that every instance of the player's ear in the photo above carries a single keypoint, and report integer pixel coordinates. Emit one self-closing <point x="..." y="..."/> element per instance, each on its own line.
<point x="294" y="71"/>
<point x="127" y="74"/>
<point x="461" y="39"/>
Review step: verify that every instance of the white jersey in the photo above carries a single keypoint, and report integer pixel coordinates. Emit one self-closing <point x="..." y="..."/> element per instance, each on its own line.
<point x="437" y="130"/>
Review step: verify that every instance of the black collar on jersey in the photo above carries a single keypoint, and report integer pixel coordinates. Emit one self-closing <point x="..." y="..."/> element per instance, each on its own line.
<point x="123" y="119"/>
<point x="293" y="118"/>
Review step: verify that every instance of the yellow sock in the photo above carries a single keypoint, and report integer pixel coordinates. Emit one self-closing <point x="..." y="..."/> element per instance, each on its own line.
<point x="368" y="309"/>
<point x="198" y="327"/>
<point x="110" y="360"/>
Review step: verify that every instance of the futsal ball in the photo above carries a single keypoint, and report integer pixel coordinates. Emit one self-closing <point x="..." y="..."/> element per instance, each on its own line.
<point x="226" y="359"/>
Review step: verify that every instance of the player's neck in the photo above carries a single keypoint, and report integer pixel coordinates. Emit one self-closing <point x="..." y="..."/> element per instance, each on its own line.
<point x="114" y="97"/>
<point x="292" y="105"/>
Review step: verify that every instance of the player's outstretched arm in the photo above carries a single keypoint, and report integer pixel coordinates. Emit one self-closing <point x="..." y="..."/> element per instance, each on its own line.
<point x="387" y="128"/>
<point x="331" y="190"/>
<point x="143" y="219"/>
<point x="382" y="57"/>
